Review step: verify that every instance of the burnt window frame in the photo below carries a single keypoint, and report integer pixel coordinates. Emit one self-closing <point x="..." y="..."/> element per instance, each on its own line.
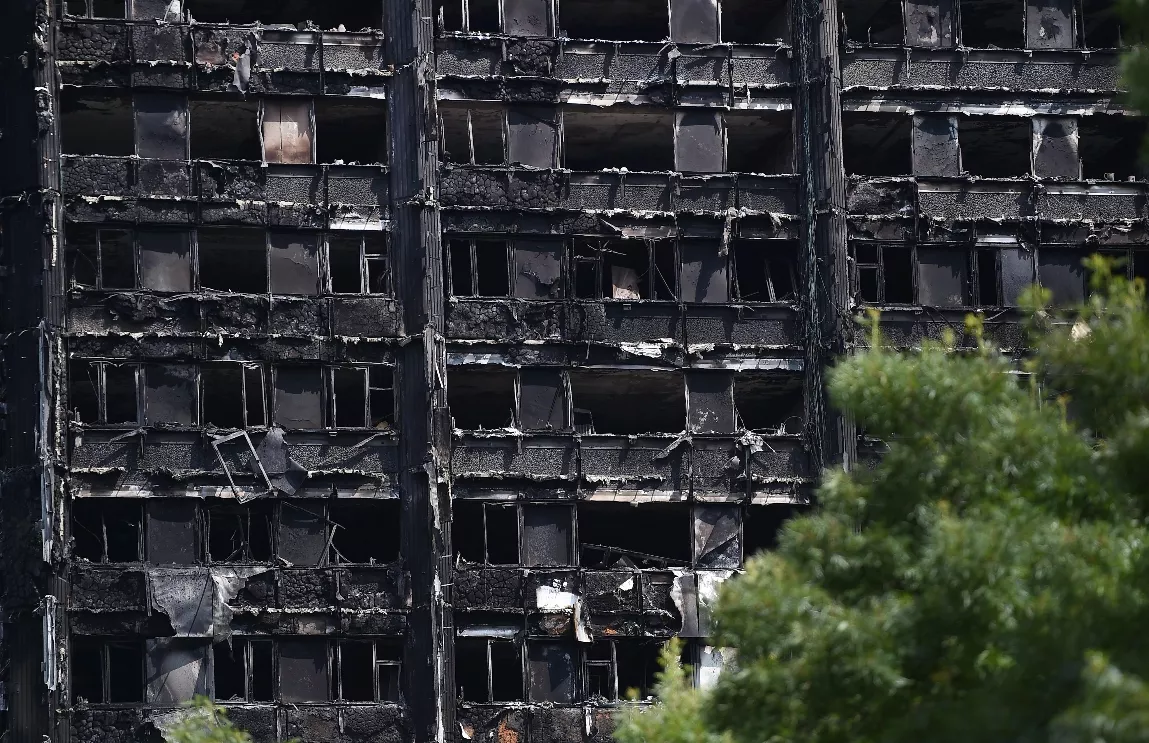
<point x="89" y="12"/>
<point x="518" y="641"/>
<point x="377" y="665"/>
<point x="472" y="242"/>
<point x="98" y="269"/>
<point x="105" y="643"/>
<point x="879" y="268"/>
<point x="141" y="529"/>
<point x="735" y="292"/>
<point x="244" y="513"/>
<point x="471" y="160"/>
<point x="198" y="273"/>
<point x="101" y="390"/>
<point x="331" y="403"/>
<point x="586" y="243"/>
<point x="247" y="370"/>
<point x="247" y="643"/>
<point x="367" y="260"/>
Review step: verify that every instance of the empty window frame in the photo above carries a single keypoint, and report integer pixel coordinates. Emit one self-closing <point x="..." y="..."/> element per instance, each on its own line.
<point x="598" y="140"/>
<point x="595" y="396"/>
<point x="368" y="670"/>
<point x="762" y="142"/>
<point x="232" y="395"/>
<point x="1106" y="144"/>
<point x="883" y="274"/>
<point x="365" y="532"/>
<point x="624" y="269"/>
<point x="552" y="671"/>
<point x="95" y="8"/>
<point x="302" y="533"/>
<point x="101" y="259"/>
<point x="1130" y="263"/>
<point x="771" y="403"/>
<point x="107" y="530"/>
<point x="474" y="136"/>
<point x="762" y="524"/>
<point x="107" y="671"/>
<point x="362" y="397"/>
<point x="288" y="127"/>
<point x="538" y="269"/>
<point x="873" y="21"/>
<point x="931" y="24"/>
<point x="995" y="146"/>
<point x="877" y="144"/>
<point x="240" y="532"/>
<point x="169" y="392"/>
<point x="358" y="263"/>
<point x="1002" y="274"/>
<point x="764" y="271"/>
<point x="161" y="126"/>
<point x="1100" y="24"/>
<point x="485" y="533"/>
<point x="992" y="24"/>
<point x="630" y="20"/>
<point x="350" y="131"/>
<point x="233" y="260"/>
<point x="299" y="397"/>
<point x="224" y="129"/>
<point x="755" y="21"/>
<point x="95" y="125"/>
<point x="478" y="268"/>
<point x="489" y="669"/>
<point x="328" y="16"/>
<point x="467" y="16"/>
<point x="481" y="397"/>
<point x="624" y="535"/>
<point x="532" y="136"/>
<point x="105" y="392"/>
<point x="293" y="263"/>
<point x="614" y="670"/>
<point x="244" y="670"/>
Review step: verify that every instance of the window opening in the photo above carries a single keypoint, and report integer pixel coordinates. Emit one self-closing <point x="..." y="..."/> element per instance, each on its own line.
<point x="877" y="144"/>
<point x="233" y="260"/>
<point x="288" y="131"/>
<point x="873" y="21"/>
<point x="224" y="129"/>
<point x="629" y="20"/>
<point x="599" y="681"/>
<point x="765" y="271"/>
<point x="481" y="398"/>
<point x="240" y="533"/>
<point x="233" y="395"/>
<point x="365" y="533"/>
<point x="479" y="268"/>
<point x="769" y="403"/>
<point x="488" y="669"/>
<point x="761" y="525"/>
<point x="883" y="274"/>
<point x="327" y="16"/>
<point x="486" y="533"/>
<point x="995" y="146"/>
<point x="1105" y="146"/>
<point x="350" y="131"/>
<point x="597" y="140"/>
<point x="107" y="530"/>
<point x="117" y="268"/>
<point x="661" y="397"/>
<point x="95" y="125"/>
<point x="761" y="142"/>
<point x="173" y="531"/>
<point x="755" y="21"/>
<point x="619" y="536"/>
<point x="299" y="397"/>
<point x="992" y="24"/>
<point x="358" y="263"/>
<point x="111" y="672"/>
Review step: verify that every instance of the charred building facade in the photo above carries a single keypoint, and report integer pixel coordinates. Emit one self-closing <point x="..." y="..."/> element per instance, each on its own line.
<point x="402" y="371"/>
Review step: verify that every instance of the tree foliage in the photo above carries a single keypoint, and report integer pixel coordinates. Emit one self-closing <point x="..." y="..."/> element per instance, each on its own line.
<point x="985" y="581"/>
<point x="205" y="722"/>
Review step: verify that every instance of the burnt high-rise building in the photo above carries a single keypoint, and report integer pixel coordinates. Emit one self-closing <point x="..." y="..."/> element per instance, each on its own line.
<point x="410" y="371"/>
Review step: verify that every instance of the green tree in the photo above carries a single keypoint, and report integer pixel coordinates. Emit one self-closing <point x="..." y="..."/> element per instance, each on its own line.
<point x="985" y="581"/>
<point x="205" y="722"/>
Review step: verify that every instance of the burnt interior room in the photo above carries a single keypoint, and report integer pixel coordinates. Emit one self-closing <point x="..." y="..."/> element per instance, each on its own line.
<point x="755" y="21"/>
<point x="1100" y="24"/>
<point x="598" y="140"/>
<point x="233" y="259"/>
<point x="877" y="144"/>
<point x="595" y="394"/>
<point x="624" y="20"/>
<point x="478" y="268"/>
<point x="481" y="398"/>
<point x="93" y="124"/>
<point x="488" y="663"/>
<point x="96" y="8"/>
<point x="350" y="131"/>
<point x="618" y="536"/>
<point x="761" y="142"/>
<point x="873" y="21"/>
<point x="224" y="129"/>
<point x="473" y="135"/>
<point x="995" y="146"/>
<point x="771" y="403"/>
<point x="762" y="525"/>
<point x="623" y="269"/>
<point x="764" y="271"/>
<point x="345" y="16"/>
<point x="992" y="24"/>
<point x="1108" y="145"/>
<point x="883" y="274"/>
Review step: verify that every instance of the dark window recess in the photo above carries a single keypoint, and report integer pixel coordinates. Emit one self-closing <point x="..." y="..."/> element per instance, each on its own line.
<point x="455" y="135"/>
<point x="988" y="277"/>
<point x="224" y="129"/>
<point x="542" y="399"/>
<point x="82" y="249"/>
<point x="771" y="403"/>
<point x="84" y="391"/>
<point x="303" y="670"/>
<point x="169" y="395"/>
<point x="481" y="397"/>
<point x="486" y="533"/>
<point x="232" y="395"/>
<point x="761" y="525"/>
<point x="992" y="24"/>
<point x="765" y="271"/>
<point x="547" y="535"/>
<point x="995" y="147"/>
<point x="229" y="670"/>
<point x="363" y="397"/>
<point x="161" y="126"/>
<point x="350" y="131"/>
<point x="935" y="146"/>
<point x="299" y="397"/>
<point x="173" y="534"/>
<point x="240" y="533"/>
<point x="628" y="20"/>
<point x="106" y="671"/>
<point x="883" y="274"/>
<point x="294" y="263"/>
<point x="621" y="535"/>
<point x="624" y="269"/>
<point x="710" y="403"/>
<point x="478" y="268"/>
<point x="366" y="532"/>
<point x="1063" y="274"/>
<point x="121" y="393"/>
<point x="358" y="263"/>
<point x="488" y="670"/>
<point x="101" y="259"/>
<point x="877" y="144"/>
<point x="302" y="533"/>
<point x="703" y="275"/>
<point x="1049" y="24"/>
<point x="261" y="673"/>
<point x="107" y="530"/>
<point x="94" y="125"/>
<point x="532" y="136"/>
<point x="636" y="665"/>
<point x="1056" y="147"/>
<point x="596" y="397"/>
<point x="473" y="136"/>
<point x="943" y="277"/>
<point x="598" y="678"/>
<point x="96" y="8"/>
<point x="930" y="23"/>
<point x="233" y="260"/>
<point x="328" y="16"/>
<point x="760" y="143"/>
<point x="873" y="21"/>
<point x="165" y="260"/>
<point x="1100" y="24"/>
<point x="717" y="536"/>
<point x="369" y="671"/>
<point x="755" y="21"/>
<point x="1108" y="147"/>
<point x="538" y="269"/>
<point x="551" y="671"/>
<point x="594" y="140"/>
<point x="1017" y="273"/>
